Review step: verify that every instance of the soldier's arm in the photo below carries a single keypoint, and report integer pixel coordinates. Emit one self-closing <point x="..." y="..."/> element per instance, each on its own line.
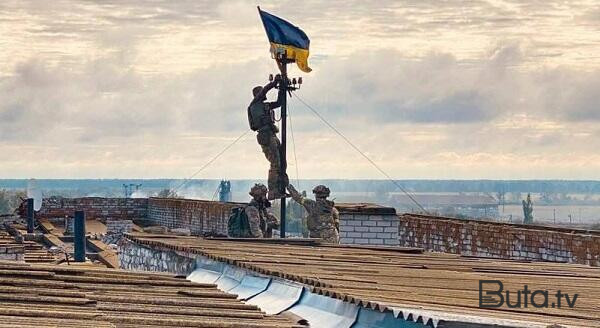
<point x="336" y="218"/>
<point x="272" y="220"/>
<point x="278" y="103"/>
<point x="254" y="221"/>
<point x="295" y="194"/>
<point x="265" y="90"/>
<point x="308" y="204"/>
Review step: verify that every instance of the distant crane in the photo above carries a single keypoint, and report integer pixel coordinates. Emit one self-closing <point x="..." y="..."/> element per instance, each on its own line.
<point x="225" y="191"/>
<point x="129" y="189"/>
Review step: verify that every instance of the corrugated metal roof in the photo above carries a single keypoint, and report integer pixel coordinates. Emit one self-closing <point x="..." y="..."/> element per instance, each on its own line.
<point x="59" y="296"/>
<point x="32" y="252"/>
<point x="435" y="287"/>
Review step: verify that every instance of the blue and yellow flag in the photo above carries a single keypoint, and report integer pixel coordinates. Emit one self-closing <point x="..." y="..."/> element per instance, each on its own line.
<point x="285" y="36"/>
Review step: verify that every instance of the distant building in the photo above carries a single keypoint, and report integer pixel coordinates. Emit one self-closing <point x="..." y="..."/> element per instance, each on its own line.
<point x="460" y="205"/>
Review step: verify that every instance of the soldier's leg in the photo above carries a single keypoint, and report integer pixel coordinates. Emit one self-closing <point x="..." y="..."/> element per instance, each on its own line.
<point x="270" y="146"/>
<point x="254" y="222"/>
<point x="275" y="184"/>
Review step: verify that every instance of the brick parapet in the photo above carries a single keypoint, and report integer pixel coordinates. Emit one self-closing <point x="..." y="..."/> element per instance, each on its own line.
<point x="505" y="241"/>
<point x="98" y="208"/>
<point x="12" y="253"/>
<point x="369" y="229"/>
<point x="199" y="216"/>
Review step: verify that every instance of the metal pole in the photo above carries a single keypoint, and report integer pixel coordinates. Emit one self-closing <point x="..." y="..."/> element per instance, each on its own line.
<point x="30" y="215"/>
<point x="79" y="236"/>
<point x="282" y="156"/>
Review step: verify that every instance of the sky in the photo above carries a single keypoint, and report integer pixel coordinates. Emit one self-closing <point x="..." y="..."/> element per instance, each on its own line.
<point x="427" y="89"/>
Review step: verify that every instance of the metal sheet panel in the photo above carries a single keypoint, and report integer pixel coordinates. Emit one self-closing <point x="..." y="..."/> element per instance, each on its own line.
<point x="232" y="276"/>
<point x="207" y="271"/>
<point x="278" y="297"/>
<point x="250" y="286"/>
<point x="325" y="312"/>
<point x="368" y="318"/>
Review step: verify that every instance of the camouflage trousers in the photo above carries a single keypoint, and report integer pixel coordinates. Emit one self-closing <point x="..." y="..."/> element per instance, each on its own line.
<point x="271" y="145"/>
<point x="331" y="236"/>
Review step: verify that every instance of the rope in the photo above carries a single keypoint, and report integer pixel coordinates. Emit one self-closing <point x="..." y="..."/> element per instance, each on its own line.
<point x="216" y="191"/>
<point x="360" y="152"/>
<point x="294" y="149"/>
<point x="185" y="181"/>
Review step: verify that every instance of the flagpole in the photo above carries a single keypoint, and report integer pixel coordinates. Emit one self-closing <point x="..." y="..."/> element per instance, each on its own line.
<point x="282" y="173"/>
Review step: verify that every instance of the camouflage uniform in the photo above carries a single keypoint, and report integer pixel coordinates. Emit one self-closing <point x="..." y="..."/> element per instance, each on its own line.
<point x="260" y="219"/>
<point x="323" y="219"/>
<point x="261" y="119"/>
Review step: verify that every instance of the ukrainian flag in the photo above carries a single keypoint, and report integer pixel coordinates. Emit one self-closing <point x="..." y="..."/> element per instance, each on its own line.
<point x="285" y="36"/>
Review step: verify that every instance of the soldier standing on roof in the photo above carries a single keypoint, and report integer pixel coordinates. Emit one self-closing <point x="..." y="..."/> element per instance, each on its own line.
<point x="323" y="219"/>
<point x="260" y="219"/>
<point x="262" y="119"/>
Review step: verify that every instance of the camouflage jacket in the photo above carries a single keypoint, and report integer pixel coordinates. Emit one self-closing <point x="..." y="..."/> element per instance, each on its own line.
<point x="321" y="213"/>
<point x="261" y="220"/>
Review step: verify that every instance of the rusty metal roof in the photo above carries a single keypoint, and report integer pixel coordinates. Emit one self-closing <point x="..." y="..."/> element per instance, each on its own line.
<point x="442" y="285"/>
<point x="32" y="251"/>
<point x="59" y="296"/>
<point x="365" y="208"/>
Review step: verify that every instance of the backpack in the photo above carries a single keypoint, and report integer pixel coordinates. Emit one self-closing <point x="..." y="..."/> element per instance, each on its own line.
<point x="238" y="225"/>
<point x="259" y="115"/>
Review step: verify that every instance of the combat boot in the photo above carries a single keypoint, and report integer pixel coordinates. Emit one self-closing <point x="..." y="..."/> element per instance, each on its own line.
<point x="276" y="186"/>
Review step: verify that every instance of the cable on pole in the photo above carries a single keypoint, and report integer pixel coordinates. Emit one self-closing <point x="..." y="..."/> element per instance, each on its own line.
<point x="294" y="148"/>
<point x="360" y="152"/>
<point x="185" y="181"/>
<point x="216" y="192"/>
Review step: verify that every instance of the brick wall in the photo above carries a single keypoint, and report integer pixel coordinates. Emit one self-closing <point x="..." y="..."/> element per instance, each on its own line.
<point x="368" y="224"/>
<point x="94" y="207"/>
<point x="118" y="226"/>
<point x="499" y="240"/>
<point x="12" y="253"/>
<point x="136" y="257"/>
<point x="115" y="229"/>
<point x="200" y="216"/>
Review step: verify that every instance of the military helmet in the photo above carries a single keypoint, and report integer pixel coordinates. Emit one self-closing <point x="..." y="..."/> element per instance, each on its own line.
<point x="321" y="191"/>
<point x="256" y="90"/>
<point x="259" y="189"/>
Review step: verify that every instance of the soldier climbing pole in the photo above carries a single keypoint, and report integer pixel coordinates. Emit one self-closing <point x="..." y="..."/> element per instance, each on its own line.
<point x="289" y="44"/>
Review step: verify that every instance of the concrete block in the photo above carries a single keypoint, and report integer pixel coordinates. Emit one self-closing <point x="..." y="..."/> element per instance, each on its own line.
<point x="354" y="235"/>
<point x="391" y="242"/>
<point x="375" y="241"/>
<point x="384" y="223"/>
<point x="362" y="229"/>
<point x="369" y="223"/>
<point x="376" y="229"/>
<point x="390" y="229"/>
<point x="361" y="241"/>
<point x="369" y="235"/>
<point x="346" y="240"/>
<point x="384" y="235"/>
<point x="347" y="228"/>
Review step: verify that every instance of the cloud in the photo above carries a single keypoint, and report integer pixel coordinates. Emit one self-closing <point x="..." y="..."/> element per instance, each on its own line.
<point x="120" y="88"/>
